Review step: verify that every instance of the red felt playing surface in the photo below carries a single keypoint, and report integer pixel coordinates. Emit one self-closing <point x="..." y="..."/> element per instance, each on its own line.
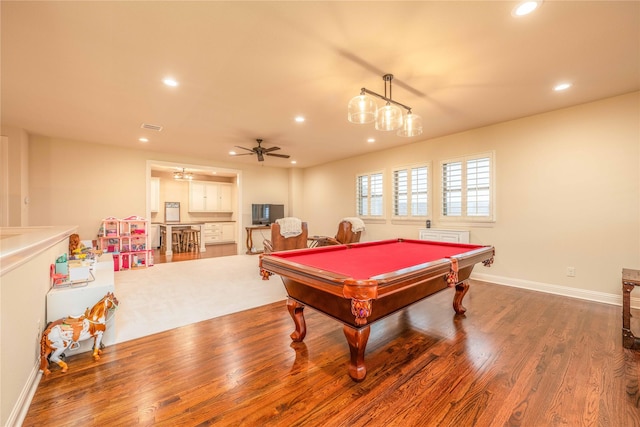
<point x="366" y="260"/>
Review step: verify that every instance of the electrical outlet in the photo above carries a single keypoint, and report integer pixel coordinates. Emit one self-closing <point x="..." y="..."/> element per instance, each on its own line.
<point x="571" y="271"/>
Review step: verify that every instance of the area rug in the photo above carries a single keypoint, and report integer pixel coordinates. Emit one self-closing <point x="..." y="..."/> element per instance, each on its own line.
<point x="171" y="295"/>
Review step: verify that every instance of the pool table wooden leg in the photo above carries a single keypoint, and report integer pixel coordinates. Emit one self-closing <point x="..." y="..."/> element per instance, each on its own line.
<point x="296" y="310"/>
<point x="461" y="290"/>
<point x="357" y="339"/>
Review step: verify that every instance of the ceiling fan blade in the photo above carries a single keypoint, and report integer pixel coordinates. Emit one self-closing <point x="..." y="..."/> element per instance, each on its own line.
<point x="260" y="157"/>
<point x="266" y="150"/>
<point x="284" y="156"/>
<point x="248" y="149"/>
<point x="244" y="154"/>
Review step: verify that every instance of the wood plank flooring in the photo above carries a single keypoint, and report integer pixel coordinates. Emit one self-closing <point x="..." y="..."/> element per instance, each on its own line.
<point x="518" y="358"/>
<point x="211" y="252"/>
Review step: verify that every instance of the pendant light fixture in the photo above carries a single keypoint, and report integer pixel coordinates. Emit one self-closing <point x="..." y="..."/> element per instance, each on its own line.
<point x="183" y="175"/>
<point x="364" y="109"/>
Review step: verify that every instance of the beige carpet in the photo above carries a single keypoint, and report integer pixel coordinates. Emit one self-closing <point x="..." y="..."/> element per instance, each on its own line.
<point x="170" y="295"/>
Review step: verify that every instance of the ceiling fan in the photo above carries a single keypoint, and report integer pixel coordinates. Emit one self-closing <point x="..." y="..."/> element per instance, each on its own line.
<point x="261" y="151"/>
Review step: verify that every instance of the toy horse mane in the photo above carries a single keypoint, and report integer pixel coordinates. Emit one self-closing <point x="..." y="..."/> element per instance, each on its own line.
<point x="99" y="310"/>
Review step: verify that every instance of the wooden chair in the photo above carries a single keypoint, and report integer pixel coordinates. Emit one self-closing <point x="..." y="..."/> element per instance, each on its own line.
<point x="344" y="236"/>
<point x="280" y="243"/>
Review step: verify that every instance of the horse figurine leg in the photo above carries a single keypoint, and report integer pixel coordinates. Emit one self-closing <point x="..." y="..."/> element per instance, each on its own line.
<point x="97" y="342"/>
<point x="55" y="357"/>
<point x="52" y="345"/>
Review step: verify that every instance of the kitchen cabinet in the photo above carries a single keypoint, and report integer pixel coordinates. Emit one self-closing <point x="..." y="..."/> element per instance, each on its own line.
<point x="207" y="196"/>
<point x="219" y="232"/>
<point x="154" y="236"/>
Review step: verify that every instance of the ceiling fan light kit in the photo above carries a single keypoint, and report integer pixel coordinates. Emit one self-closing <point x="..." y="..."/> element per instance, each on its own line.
<point x="363" y="109"/>
<point x="183" y="175"/>
<point x="260" y="151"/>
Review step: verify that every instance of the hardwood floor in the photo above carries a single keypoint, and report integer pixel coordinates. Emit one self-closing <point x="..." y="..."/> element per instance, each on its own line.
<point x="212" y="251"/>
<point x="518" y="358"/>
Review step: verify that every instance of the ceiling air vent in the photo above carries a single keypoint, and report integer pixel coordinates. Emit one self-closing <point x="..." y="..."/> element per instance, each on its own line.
<point x="157" y="128"/>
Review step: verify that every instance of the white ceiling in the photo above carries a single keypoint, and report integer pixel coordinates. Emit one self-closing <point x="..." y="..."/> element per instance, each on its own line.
<point x="93" y="71"/>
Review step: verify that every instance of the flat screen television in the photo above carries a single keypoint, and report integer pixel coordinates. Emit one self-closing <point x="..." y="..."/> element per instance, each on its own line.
<point x="266" y="214"/>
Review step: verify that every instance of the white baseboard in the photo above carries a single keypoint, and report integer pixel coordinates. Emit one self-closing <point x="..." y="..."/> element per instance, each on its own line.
<point x="19" y="411"/>
<point x="614" y="299"/>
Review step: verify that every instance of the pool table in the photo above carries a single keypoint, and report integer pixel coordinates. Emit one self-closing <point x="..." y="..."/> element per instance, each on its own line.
<point x="360" y="283"/>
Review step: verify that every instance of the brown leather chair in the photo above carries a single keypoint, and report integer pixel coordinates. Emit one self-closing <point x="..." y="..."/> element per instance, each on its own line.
<point x="345" y="235"/>
<point x="280" y="243"/>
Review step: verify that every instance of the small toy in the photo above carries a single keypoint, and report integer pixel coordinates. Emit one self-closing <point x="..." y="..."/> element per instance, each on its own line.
<point x="69" y="331"/>
<point x="75" y="245"/>
<point x="56" y="278"/>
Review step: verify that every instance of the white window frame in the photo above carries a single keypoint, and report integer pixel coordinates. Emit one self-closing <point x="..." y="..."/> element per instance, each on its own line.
<point x="378" y="196"/>
<point x="410" y="196"/>
<point x="465" y="216"/>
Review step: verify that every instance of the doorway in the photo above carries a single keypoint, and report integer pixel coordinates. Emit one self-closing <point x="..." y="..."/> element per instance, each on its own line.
<point x="198" y="172"/>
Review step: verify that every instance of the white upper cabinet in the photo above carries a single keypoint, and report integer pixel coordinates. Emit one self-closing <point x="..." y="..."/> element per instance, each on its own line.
<point x="224" y="197"/>
<point x="206" y="196"/>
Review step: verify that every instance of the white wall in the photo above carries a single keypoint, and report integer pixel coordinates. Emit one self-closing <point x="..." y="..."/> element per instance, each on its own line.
<point x="567" y="191"/>
<point x="22" y="320"/>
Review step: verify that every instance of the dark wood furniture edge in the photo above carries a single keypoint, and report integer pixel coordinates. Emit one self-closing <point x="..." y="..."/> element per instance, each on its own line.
<point x="630" y="279"/>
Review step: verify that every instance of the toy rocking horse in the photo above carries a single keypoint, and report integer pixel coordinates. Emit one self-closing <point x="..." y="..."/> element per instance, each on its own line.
<point x="68" y="332"/>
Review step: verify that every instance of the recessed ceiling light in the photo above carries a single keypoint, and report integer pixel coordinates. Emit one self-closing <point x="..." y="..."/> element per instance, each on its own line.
<point x="371" y="140"/>
<point x="143" y="140"/>
<point x="562" y="86"/>
<point x="525" y="8"/>
<point x="293" y="162"/>
<point x="232" y="153"/>
<point x="170" y="82"/>
<point x="299" y="119"/>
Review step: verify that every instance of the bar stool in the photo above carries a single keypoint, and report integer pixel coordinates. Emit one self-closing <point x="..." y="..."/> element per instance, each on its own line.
<point x="191" y="239"/>
<point x="197" y="239"/>
<point x="176" y="240"/>
<point x="163" y="240"/>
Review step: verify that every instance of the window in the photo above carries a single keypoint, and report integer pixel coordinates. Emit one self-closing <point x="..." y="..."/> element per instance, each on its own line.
<point x="410" y="192"/>
<point x="467" y="191"/>
<point x="370" y="195"/>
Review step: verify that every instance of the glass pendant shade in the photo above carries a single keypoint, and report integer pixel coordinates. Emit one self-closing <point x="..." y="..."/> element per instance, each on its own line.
<point x="389" y="117"/>
<point x="412" y="125"/>
<point x="182" y="175"/>
<point x="362" y="109"/>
